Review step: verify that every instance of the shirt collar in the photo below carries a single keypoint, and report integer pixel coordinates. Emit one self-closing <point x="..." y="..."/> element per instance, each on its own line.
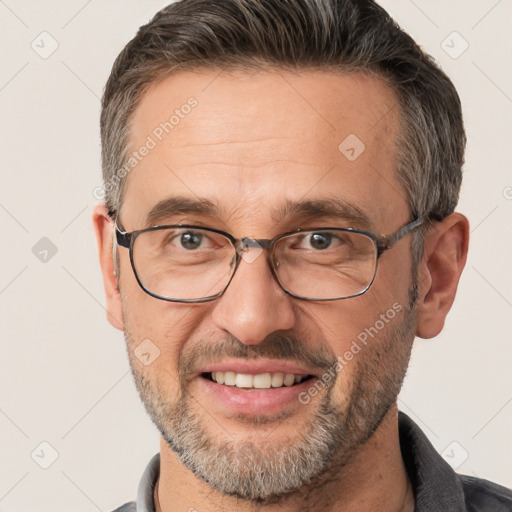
<point x="436" y="486"/>
<point x="145" y="502"/>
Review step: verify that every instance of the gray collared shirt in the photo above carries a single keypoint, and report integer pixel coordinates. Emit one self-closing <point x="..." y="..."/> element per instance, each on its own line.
<point x="437" y="488"/>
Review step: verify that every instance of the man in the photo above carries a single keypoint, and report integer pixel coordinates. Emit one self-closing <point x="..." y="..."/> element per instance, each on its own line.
<point x="281" y="179"/>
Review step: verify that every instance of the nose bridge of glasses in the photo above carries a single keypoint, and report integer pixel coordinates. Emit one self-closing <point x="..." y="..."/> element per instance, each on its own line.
<point x="248" y="242"/>
<point x="249" y="249"/>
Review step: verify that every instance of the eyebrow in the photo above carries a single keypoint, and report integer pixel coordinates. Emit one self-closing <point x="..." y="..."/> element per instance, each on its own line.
<point x="179" y="205"/>
<point x="320" y="208"/>
<point x="290" y="210"/>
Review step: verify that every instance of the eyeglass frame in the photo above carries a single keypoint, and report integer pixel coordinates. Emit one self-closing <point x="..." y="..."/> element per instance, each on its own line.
<point x="382" y="243"/>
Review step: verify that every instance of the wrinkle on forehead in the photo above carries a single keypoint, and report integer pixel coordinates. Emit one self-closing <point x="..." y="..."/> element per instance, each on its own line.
<point x="323" y="100"/>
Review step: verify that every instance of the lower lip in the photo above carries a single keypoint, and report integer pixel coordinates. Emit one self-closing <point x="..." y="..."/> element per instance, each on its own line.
<point x="256" y="401"/>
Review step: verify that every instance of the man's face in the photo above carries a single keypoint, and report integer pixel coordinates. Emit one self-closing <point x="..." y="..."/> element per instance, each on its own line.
<point x="253" y="143"/>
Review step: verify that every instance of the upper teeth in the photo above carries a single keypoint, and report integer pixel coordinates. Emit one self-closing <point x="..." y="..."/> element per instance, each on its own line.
<point x="260" y="381"/>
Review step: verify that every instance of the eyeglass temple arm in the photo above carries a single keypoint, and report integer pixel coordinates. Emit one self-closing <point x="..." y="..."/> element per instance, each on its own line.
<point x="386" y="242"/>
<point x="122" y="237"/>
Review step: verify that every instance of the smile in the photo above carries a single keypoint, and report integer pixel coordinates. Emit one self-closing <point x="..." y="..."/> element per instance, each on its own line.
<point x="259" y="381"/>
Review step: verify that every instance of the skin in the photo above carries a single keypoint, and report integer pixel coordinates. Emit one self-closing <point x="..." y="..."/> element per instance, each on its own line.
<point x="249" y="149"/>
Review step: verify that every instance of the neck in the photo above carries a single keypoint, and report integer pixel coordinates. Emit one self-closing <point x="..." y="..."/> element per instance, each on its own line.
<point x="375" y="479"/>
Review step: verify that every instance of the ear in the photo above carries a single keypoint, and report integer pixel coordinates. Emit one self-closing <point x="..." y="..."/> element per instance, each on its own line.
<point x="103" y="228"/>
<point x="444" y="257"/>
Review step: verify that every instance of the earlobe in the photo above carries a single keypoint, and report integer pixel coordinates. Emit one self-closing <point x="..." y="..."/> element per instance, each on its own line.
<point x="444" y="258"/>
<point x="103" y="229"/>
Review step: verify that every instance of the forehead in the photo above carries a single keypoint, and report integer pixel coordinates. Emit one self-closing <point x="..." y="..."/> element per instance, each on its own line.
<point x="252" y="141"/>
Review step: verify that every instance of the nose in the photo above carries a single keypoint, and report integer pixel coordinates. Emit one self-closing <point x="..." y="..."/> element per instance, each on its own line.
<point x="254" y="305"/>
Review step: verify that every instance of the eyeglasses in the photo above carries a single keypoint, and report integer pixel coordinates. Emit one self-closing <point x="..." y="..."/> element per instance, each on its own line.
<point x="187" y="263"/>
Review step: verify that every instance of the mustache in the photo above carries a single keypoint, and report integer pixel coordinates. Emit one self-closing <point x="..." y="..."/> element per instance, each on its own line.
<point x="275" y="346"/>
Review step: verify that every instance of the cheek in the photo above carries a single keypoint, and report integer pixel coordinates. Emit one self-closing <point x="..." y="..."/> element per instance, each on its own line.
<point x="155" y="330"/>
<point x="156" y="327"/>
<point x="153" y="353"/>
<point x="341" y="322"/>
<point x="144" y="316"/>
<point x="352" y="326"/>
<point x="394" y="275"/>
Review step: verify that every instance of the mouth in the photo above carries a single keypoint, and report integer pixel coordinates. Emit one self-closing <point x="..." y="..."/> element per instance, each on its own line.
<point x="248" y="382"/>
<point x="262" y="387"/>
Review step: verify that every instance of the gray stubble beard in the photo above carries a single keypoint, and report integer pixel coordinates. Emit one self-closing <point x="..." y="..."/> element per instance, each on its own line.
<point x="249" y="468"/>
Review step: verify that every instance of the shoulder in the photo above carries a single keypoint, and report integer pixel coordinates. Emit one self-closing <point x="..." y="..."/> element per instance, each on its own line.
<point x="127" y="507"/>
<point x="481" y="494"/>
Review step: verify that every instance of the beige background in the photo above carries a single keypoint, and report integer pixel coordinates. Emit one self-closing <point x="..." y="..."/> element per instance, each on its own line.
<point x="64" y="372"/>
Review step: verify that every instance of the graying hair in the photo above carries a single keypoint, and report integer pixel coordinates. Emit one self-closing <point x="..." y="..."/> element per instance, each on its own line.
<point x="343" y="35"/>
